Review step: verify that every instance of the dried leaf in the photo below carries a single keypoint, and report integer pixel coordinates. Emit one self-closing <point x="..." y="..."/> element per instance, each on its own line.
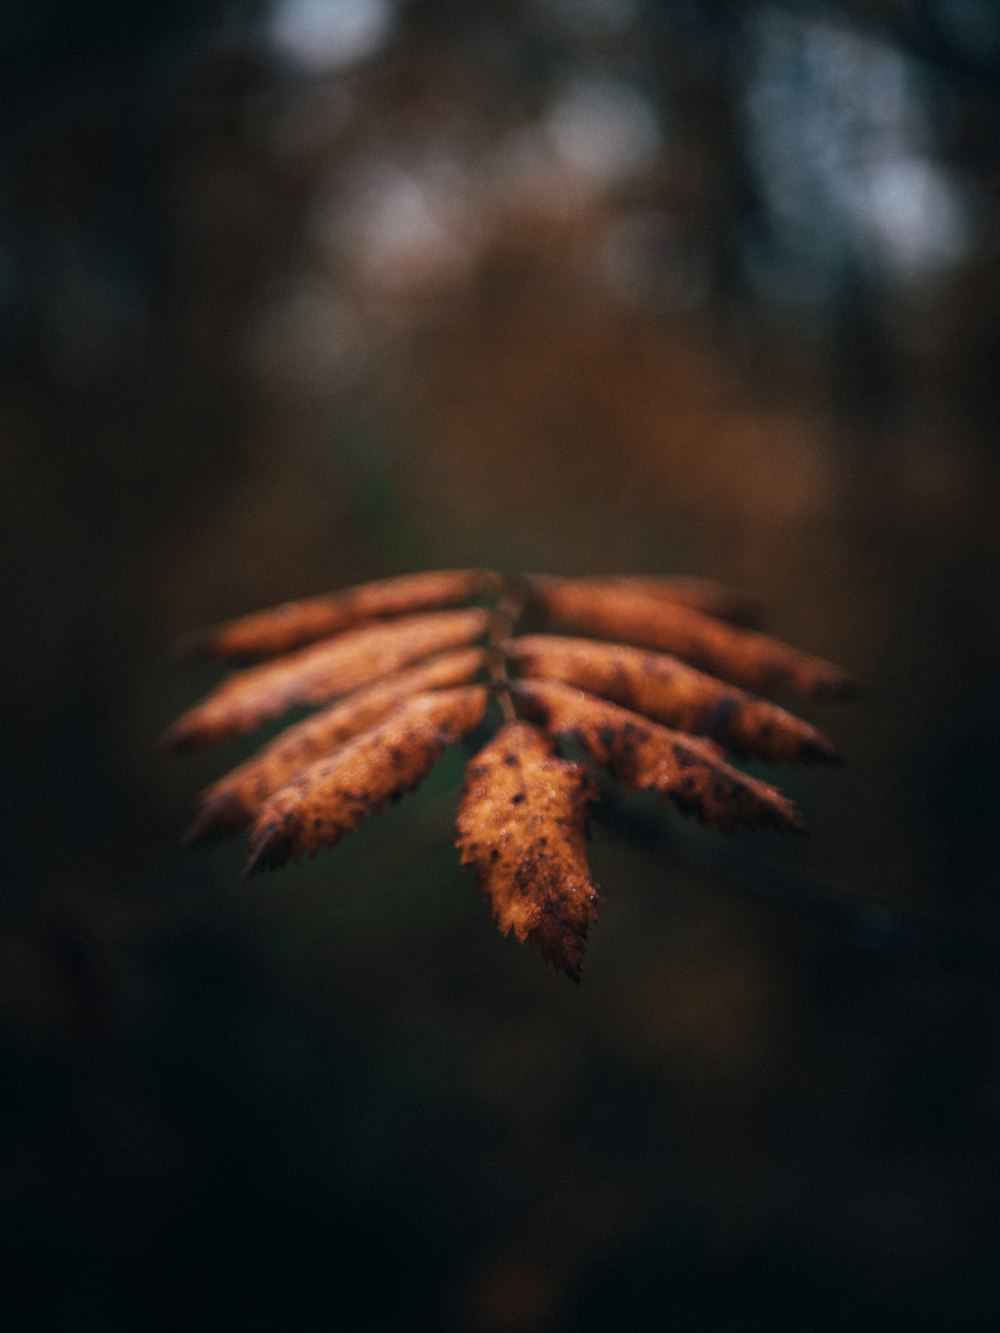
<point x="712" y="599"/>
<point x="637" y="617"/>
<point x="294" y="624"/>
<point x="646" y="756"/>
<point x="667" y="690"/>
<point x="401" y="691"/>
<point x="522" y="823"/>
<point x="231" y="803"/>
<point x="332" y="796"/>
<point x="321" y="672"/>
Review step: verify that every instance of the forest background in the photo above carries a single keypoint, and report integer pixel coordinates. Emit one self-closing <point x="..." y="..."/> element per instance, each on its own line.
<point x="301" y="294"/>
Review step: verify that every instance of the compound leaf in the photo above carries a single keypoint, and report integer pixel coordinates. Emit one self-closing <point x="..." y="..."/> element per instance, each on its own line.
<point x="647" y="699"/>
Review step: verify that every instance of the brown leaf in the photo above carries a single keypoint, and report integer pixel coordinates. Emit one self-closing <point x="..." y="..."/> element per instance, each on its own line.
<point x="268" y="633"/>
<point x="667" y="690"/>
<point x="231" y="803"/>
<point x="712" y="599"/>
<point x="647" y="756"/>
<point x="321" y="672"/>
<point x="332" y="796"/>
<point x="637" y="617"/>
<point x="522" y="823"/>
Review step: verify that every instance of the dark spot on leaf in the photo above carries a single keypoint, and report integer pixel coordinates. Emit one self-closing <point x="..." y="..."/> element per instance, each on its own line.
<point x="718" y="721"/>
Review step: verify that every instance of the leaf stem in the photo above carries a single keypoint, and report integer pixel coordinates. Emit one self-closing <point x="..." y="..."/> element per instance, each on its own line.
<point x="505" y="616"/>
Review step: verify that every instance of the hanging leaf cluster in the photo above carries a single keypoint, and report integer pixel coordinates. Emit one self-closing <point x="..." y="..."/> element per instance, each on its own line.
<point x="656" y="679"/>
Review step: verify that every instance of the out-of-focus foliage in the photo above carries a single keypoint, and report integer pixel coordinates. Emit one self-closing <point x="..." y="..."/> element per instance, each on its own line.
<point x="299" y="295"/>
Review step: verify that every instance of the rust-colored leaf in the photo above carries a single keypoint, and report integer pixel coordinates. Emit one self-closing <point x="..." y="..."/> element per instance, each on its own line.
<point x="294" y="624"/>
<point x="669" y="691"/>
<point x="522" y="823"/>
<point x="333" y="795"/>
<point x="712" y="599"/>
<point x="635" y="616"/>
<point x="322" y="671"/>
<point x="398" y="679"/>
<point x="647" y="756"/>
<point x="231" y="803"/>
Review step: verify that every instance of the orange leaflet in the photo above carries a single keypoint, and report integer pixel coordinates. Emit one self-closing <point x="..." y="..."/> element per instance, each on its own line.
<point x="230" y="803"/>
<point x="669" y="691"/>
<point x="321" y="672"/>
<point x="332" y="796"/>
<point x="637" y="617"/>
<point x="713" y="599"/>
<point x="646" y="756"/>
<point x="522" y="823"/>
<point x="281" y="628"/>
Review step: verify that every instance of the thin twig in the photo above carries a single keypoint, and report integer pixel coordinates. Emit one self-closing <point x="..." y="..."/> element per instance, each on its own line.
<point x="889" y="931"/>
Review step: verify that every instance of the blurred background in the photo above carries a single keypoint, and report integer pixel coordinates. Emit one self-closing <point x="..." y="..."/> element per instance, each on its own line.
<point x="302" y="293"/>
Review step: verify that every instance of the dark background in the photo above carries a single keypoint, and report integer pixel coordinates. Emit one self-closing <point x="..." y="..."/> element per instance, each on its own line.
<point x="302" y="294"/>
